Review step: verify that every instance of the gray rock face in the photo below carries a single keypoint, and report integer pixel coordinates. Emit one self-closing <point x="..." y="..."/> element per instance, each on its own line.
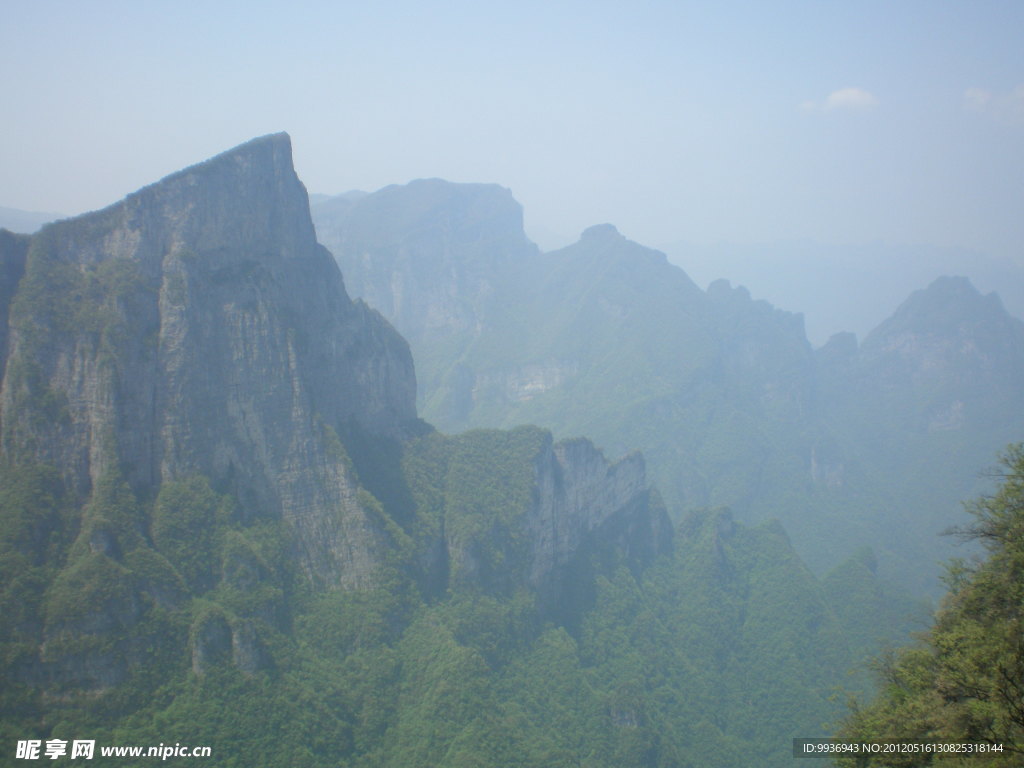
<point x="13" y="251"/>
<point x="198" y="328"/>
<point x="575" y="514"/>
<point x="429" y="255"/>
<point x="195" y="341"/>
<point x="580" y="494"/>
<point x="215" y="641"/>
<point x="447" y="238"/>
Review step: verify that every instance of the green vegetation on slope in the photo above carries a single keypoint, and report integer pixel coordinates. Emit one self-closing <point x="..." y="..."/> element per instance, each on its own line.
<point x="965" y="682"/>
<point x="180" y="620"/>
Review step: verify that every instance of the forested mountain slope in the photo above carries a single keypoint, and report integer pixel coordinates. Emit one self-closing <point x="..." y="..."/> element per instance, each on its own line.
<point x="222" y="524"/>
<point x="960" y="687"/>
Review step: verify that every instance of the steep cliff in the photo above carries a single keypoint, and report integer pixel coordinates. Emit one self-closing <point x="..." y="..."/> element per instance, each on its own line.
<point x="197" y="328"/>
<point x="502" y="511"/>
<point x="430" y="255"/>
<point x="582" y="496"/>
<point x="13" y="250"/>
<point x="213" y="425"/>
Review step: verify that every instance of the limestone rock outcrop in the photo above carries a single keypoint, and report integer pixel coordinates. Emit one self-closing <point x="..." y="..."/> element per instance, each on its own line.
<point x="198" y="328"/>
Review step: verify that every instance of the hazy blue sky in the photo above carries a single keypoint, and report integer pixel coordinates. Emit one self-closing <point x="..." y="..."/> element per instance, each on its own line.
<point x="718" y="121"/>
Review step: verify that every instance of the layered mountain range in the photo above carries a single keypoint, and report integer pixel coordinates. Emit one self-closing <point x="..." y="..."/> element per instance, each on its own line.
<point x="724" y="395"/>
<point x="223" y="523"/>
<point x="197" y="329"/>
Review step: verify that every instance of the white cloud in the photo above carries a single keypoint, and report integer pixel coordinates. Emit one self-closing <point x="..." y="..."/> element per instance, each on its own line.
<point x="1004" y="107"/>
<point x="850" y="98"/>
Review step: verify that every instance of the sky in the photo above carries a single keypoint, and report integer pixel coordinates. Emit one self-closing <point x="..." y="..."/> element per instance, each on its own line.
<point x="710" y="122"/>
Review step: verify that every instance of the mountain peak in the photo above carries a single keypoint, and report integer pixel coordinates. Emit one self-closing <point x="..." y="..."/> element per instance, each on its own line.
<point x="273" y="150"/>
<point x="230" y="350"/>
<point x="193" y="209"/>
<point x="722" y="289"/>
<point x="955" y="289"/>
<point x="954" y="354"/>
<point x="948" y="305"/>
<point x="601" y="232"/>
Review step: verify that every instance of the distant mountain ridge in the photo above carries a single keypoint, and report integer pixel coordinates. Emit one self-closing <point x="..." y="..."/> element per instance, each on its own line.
<point x="25" y="222"/>
<point x="845" y="288"/>
<point x="723" y="394"/>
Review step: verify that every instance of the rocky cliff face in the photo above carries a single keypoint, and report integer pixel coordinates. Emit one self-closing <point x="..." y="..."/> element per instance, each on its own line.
<point x="13" y="250"/>
<point x="580" y="497"/>
<point x="429" y="255"/>
<point x="202" y="408"/>
<point x="764" y="356"/>
<point x="425" y="253"/>
<point x="198" y="328"/>
<point x="198" y="426"/>
<point x="521" y="511"/>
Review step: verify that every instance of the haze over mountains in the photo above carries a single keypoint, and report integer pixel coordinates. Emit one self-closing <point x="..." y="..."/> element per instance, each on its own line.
<point x="25" y="222"/>
<point x="723" y="394"/>
<point x="224" y="523"/>
<point x="837" y="288"/>
<point x="841" y="288"/>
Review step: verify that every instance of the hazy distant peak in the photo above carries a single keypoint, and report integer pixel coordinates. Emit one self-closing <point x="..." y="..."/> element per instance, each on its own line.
<point x="953" y="285"/>
<point x="407" y="216"/>
<point x="436" y="186"/>
<point x="737" y="302"/>
<point x="949" y="301"/>
<point x="840" y="345"/>
<point x="425" y="198"/>
<point x="961" y="291"/>
<point x="955" y="288"/>
<point x="336" y="203"/>
<point x="605" y="242"/>
<point x="722" y="288"/>
<point x="951" y="327"/>
<point x="601" y="232"/>
<point x="25" y="222"/>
